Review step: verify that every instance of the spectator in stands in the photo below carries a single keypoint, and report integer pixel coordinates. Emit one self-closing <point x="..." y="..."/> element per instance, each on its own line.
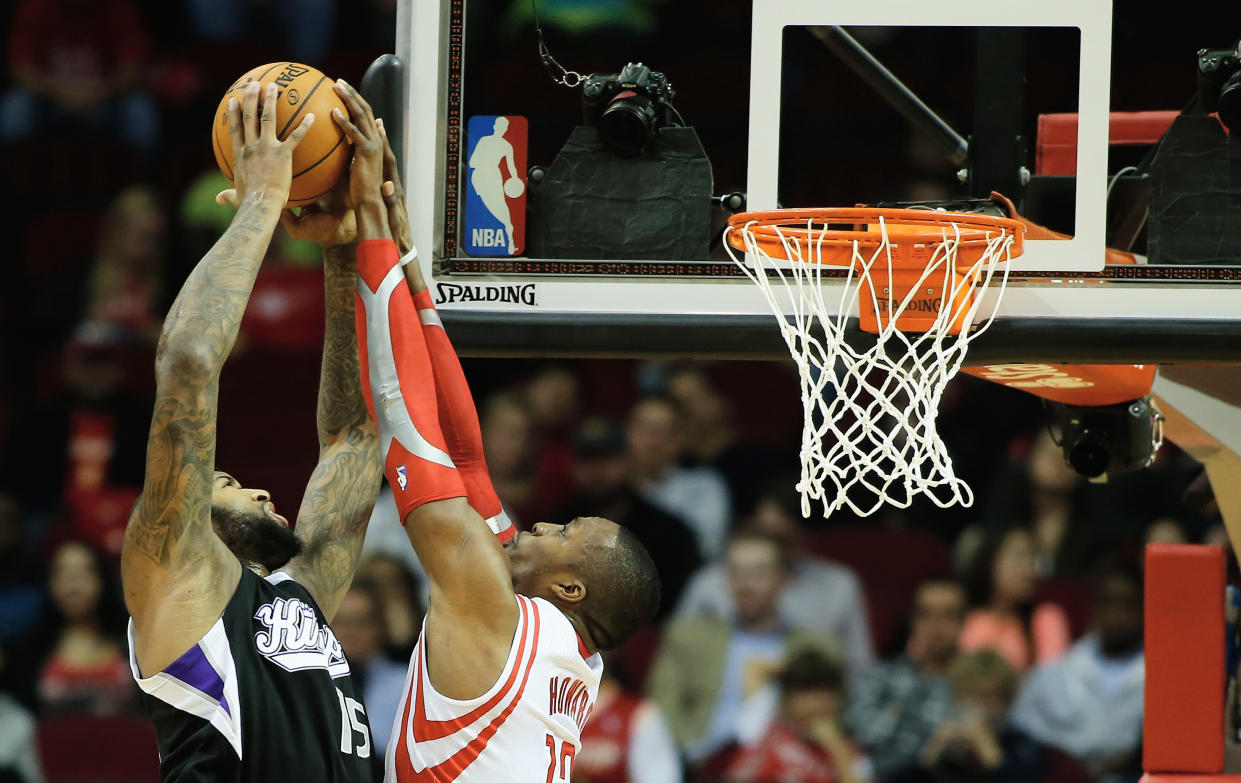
<point x="895" y="707"/>
<point x="806" y="743"/>
<point x="1002" y="584"/>
<point x="89" y="443"/>
<point x="21" y="590"/>
<point x="303" y="28"/>
<point x="1166" y="530"/>
<point x="79" y="62"/>
<point x="1089" y="702"/>
<point x="126" y="285"/>
<point x="512" y="445"/>
<point x="655" y="439"/>
<point x="19" y="752"/>
<point x="359" y="626"/>
<point x="976" y="743"/>
<point x="401" y="601"/>
<point x="821" y="596"/>
<point x="83" y="666"/>
<point x="553" y="397"/>
<point x="626" y="738"/>
<point x="602" y="487"/>
<point x="708" y="668"/>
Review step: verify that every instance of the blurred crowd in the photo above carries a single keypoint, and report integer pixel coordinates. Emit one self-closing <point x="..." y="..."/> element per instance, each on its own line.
<point x="1001" y="642"/>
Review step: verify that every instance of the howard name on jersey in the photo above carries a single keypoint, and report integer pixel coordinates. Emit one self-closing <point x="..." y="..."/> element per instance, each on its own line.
<point x="527" y="727"/>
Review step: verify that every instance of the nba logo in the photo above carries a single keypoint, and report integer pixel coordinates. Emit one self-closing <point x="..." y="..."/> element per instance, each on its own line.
<point x="495" y="191"/>
<point x="401" y="478"/>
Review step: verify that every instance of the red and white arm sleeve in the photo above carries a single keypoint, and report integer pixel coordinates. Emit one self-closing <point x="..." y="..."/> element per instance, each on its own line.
<point x="458" y="420"/>
<point x="399" y="384"/>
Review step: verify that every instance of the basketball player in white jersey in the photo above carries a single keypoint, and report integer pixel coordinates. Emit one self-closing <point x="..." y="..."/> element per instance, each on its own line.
<point x="507" y="668"/>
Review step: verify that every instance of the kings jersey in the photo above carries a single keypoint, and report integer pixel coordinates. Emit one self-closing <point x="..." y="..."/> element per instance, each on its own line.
<point x="525" y="729"/>
<point x="265" y="695"/>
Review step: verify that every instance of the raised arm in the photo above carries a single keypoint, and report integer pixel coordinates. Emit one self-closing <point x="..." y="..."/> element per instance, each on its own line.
<point x="471" y="590"/>
<point x="342" y="490"/>
<point x="177" y="573"/>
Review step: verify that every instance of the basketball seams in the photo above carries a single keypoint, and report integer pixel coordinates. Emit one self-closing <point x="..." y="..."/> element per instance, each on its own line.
<point x="303" y="105"/>
<point x="326" y="155"/>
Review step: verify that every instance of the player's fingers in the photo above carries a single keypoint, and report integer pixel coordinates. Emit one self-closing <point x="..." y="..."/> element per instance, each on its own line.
<point x="249" y="112"/>
<point x="351" y="131"/>
<point x="267" y="113"/>
<point x="300" y="131"/>
<point x="359" y="110"/>
<point x="387" y="189"/>
<point x="391" y="171"/>
<point x="228" y="196"/>
<point x="235" y="132"/>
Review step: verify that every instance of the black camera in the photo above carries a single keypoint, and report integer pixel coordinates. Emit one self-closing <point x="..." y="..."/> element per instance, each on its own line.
<point x="1099" y="440"/>
<point x="1219" y="84"/>
<point x="627" y="107"/>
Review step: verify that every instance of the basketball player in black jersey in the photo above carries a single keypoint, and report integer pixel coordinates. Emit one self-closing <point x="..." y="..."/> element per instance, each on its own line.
<point x="229" y="638"/>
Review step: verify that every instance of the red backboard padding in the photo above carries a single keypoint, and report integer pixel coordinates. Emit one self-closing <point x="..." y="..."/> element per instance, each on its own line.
<point x="1184" y="721"/>
<point x="1056" y="150"/>
<point x="1175" y="778"/>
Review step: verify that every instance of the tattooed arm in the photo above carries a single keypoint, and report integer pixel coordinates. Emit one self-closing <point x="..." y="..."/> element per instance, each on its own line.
<point x="178" y="575"/>
<point x="342" y="490"/>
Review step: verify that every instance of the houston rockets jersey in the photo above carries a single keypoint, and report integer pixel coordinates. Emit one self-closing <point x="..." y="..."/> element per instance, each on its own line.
<point x="527" y="727"/>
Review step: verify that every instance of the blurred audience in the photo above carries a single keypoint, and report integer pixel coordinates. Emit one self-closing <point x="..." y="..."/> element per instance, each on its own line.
<point x="1166" y="530"/>
<point x="896" y="706"/>
<point x="712" y="439"/>
<point x="1089" y="702"/>
<point x="602" y="488"/>
<point x="511" y="448"/>
<point x="19" y="752"/>
<point x="708" y="668"/>
<point x="401" y="602"/>
<point x="1006" y="617"/>
<point x="80" y="63"/>
<point x="304" y="28"/>
<point x="626" y="738"/>
<point x="655" y="438"/>
<point x="806" y="742"/>
<point x="126" y="286"/>
<point x="83" y="665"/>
<point x="360" y="627"/>
<point x="975" y="742"/>
<point x="89" y="443"/>
<point x="21" y="584"/>
<point x="821" y="596"/>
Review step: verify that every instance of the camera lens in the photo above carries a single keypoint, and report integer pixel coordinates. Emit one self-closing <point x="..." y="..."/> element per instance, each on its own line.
<point x="1089" y="455"/>
<point x="1229" y="103"/>
<point x="626" y="123"/>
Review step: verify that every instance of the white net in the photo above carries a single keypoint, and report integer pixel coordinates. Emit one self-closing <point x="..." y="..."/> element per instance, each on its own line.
<point x="869" y="436"/>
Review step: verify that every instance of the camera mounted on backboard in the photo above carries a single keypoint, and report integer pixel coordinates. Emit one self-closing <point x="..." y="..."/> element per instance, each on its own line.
<point x="627" y="107"/>
<point x="1219" y="84"/>
<point x="1100" y="440"/>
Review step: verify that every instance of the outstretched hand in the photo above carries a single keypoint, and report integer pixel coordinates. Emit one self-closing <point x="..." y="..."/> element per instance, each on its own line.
<point x="262" y="163"/>
<point x="366" y="170"/>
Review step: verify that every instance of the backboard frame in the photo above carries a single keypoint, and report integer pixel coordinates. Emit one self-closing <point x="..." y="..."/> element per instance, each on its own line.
<point x="708" y="309"/>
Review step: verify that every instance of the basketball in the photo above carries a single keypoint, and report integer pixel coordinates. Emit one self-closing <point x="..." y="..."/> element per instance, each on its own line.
<point x="513" y="187"/>
<point x="322" y="157"/>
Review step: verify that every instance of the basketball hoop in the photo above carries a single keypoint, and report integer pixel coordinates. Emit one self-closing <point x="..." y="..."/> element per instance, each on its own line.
<point x="914" y="277"/>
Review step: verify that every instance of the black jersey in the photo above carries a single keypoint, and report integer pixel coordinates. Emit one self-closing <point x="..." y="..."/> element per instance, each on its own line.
<point x="265" y="695"/>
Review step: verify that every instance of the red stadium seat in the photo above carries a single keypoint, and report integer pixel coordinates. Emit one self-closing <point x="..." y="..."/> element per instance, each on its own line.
<point x="98" y="749"/>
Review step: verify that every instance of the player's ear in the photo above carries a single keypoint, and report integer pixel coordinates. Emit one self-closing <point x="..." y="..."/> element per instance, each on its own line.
<point x="569" y="589"/>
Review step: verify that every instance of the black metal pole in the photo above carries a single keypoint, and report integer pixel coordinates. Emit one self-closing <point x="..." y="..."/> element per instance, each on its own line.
<point x="382" y="86"/>
<point x="891" y="89"/>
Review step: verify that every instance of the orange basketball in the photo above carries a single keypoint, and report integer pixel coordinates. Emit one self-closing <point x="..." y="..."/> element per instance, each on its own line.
<point x="322" y="157"/>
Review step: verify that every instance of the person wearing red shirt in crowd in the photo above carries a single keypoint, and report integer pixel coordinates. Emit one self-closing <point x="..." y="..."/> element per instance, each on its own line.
<point x="625" y="739"/>
<point x="80" y="62"/>
<point x="805" y="744"/>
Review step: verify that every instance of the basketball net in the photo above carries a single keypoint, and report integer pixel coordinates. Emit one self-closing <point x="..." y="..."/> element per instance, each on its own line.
<point x="869" y="436"/>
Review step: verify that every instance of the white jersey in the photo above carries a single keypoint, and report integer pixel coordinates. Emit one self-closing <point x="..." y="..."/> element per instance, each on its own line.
<point x="527" y="727"/>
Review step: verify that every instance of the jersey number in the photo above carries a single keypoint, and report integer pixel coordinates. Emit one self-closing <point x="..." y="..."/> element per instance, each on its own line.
<point x="565" y="757"/>
<point x="351" y="713"/>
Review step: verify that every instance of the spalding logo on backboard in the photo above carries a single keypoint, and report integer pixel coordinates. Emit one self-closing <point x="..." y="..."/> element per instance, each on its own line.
<point x="495" y="186"/>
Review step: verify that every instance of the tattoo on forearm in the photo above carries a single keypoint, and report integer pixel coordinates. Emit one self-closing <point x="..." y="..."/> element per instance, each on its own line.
<point x="198" y="335"/>
<point x="341" y="406"/>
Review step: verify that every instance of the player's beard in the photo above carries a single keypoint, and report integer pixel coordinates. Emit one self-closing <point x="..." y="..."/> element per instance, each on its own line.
<point x="255" y="538"/>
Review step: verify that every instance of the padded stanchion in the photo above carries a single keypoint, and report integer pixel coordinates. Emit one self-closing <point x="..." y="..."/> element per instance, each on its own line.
<point x="1184" y="721"/>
